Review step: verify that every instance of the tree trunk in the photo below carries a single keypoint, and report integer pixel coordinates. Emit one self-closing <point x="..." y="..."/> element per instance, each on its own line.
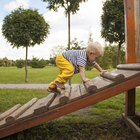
<point x="118" y="55"/>
<point x="69" y="30"/>
<point x="26" y="70"/>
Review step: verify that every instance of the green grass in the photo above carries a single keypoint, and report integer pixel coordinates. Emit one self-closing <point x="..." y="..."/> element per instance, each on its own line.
<point x="16" y="75"/>
<point x="44" y="75"/>
<point x="9" y="98"/>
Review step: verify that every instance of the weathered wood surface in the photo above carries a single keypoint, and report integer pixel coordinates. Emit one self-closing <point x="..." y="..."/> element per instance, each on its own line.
<point x="39" y="107"/>
<point x="113" y="76"/>
<point x="10" y="111"/>
<point x="90" y="87"/>
<point x="102" y="83"/>
<point x="75" y="93"/>
<point x="128" y="74"/>
<point x="65" y="95"/>
<point x="129" y="66"/>
<point x="43" y="105"/>
<point x="18" y="112"/>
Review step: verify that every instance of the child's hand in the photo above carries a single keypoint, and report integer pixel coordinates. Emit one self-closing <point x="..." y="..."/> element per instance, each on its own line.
<point x="103" y="71"/>
<point x="86" y="80"/>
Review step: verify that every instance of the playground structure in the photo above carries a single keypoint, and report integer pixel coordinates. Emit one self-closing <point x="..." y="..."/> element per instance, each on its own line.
<point x="125" y="78"/>
<point x="37" y="111"/>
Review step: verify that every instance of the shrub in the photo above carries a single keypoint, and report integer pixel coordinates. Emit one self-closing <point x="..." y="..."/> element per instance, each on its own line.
<point x="36" y="63"/>
<point x="20" y="63"/>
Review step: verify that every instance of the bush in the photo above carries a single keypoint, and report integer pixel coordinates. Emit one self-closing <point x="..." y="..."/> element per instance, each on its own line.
<point x="20" y="63"/>
<point x="36" y="63"/>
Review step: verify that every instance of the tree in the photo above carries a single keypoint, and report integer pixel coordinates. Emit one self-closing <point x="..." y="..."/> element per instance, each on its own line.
<point x="77" y="45"/>
<point x="113" y="23"/>
<point x="110" y="55"/>
<point x="25" y="28"/>
<point x="70" y="6"/>
<point x="57" y="50"/>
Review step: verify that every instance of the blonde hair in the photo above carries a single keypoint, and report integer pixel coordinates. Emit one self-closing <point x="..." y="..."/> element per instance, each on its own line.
<point x="95" y="47"/>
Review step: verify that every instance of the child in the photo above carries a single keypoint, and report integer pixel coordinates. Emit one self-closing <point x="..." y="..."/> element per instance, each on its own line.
<point x="74" y="61"/>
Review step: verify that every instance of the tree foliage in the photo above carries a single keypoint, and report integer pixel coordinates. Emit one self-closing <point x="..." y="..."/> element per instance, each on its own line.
<point x="113" y="23"/>
<point x="77" y="45"/>
<point x="25" y="28"/>
<point x="73" y="5"/>
<point x="110" y="55"/>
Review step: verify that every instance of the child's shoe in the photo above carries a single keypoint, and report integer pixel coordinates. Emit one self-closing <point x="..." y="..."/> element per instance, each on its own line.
<point x="54" y="90"/>
<point x="60" y="85"/>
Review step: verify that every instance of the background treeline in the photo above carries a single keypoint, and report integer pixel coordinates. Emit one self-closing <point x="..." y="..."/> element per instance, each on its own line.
<point x="34" y="62"/>
<point x="109" y="60"/>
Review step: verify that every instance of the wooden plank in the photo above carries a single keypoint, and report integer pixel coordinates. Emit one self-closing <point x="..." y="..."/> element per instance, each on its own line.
<point x="62" y="98"/>
<point x="65" y="95"/>
<point x="102" y="83"/>
<point x="82" y="90"/>
<point x="131" y="124"/>
<point x="18" y="112"/>
<point x="129" y="66"/>
<point x="30" y="111"/>
<point x="90" y="87"/>
<point x="55" y="103"/>
<point x="113" y="76"/>
<point x="127" y="73"/>
<point x="9" y="111"/>
<point x="75" y="93"/>
<point x="44" y="104"/>
<point x="2" y="122"/>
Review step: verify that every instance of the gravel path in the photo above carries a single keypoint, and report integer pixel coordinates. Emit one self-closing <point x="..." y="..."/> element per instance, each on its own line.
<point x="27" y="86"/>
<point x="24" y="86"/>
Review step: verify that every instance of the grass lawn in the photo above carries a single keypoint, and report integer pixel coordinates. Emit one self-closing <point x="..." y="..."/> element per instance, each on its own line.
<point x="44" y="75"/>
<point x="101" y="121"/>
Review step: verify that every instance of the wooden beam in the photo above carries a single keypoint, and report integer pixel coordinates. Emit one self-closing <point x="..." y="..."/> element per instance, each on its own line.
<point x="131" y="124"/>
<point x="130" y="35"/>
<point x="137" y="30"/>
<point x="130" y="102"/>
<point x="130" y="31"/>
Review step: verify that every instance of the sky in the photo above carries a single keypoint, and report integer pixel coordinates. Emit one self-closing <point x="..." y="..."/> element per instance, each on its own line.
<point x="87" y="20"/>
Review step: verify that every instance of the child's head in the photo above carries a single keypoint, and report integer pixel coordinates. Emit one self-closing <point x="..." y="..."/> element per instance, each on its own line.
<point x="94" y="50"/>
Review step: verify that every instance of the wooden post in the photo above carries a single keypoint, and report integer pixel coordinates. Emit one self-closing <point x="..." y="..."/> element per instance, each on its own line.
<point x="132" y="24"/>
<point x="130" y="37"/>
<point x="137" y="26"/>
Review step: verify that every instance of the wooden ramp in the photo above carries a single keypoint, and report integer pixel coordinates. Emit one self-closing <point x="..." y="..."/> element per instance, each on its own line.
<point x="38" y="111"/>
